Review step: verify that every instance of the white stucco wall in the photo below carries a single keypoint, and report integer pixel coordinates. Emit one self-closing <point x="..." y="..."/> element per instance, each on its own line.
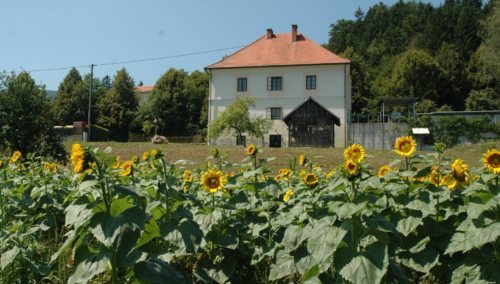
<point x="332" y="92"/>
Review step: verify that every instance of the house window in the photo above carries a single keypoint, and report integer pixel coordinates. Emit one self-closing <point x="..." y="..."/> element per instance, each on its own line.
<point x="242" y="84"/>
<point x="274" y="113"/>
<point x="311" y="82"/>
<point x="274" y="83"/>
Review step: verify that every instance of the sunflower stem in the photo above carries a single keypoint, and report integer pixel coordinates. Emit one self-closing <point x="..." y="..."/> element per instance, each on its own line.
<point x="213" y="202"/>
<point x="164" y="169"/>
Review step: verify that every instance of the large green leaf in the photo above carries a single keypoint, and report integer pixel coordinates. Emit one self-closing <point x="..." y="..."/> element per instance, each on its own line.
<point x="206" y="221"/>
<point x="473" y="238"/>
<point x="227" y="238"/>
<point x="362" y="270"/>
<point x="151" y="231"/>
<point x="92" y="265"/>
<point x="407" y="225"/>
<point x="346" y="210"/>
<point x="8" y="257"/>
<point x="156" y="271"/>
<point x="294" y="236"/>
<point x="422" y="261"/>
<point x="310" y="274"/>
<point x="78" y="214"/>
<point x="284" y="265"/>
<point x="106" y="228"/>
<point x="380" y="224"/>
<point x="323" y="241"/>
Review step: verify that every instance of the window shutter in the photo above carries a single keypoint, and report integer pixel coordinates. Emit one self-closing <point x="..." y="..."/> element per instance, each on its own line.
<point x="268" y="112"/>
<point x="268" y="83"/>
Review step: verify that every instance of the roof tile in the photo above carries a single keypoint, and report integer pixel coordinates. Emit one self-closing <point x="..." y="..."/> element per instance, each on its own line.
<point x="279" y="50"/>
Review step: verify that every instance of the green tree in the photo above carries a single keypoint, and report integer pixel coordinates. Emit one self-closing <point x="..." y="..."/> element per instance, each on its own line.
<point x="484" y="67"/>
<point x="116" y="108"/>
<point x="236" y="120"/>
<point x="69" y="103"/>
<point x="360" y="89"/>
<point x="197" y="90"/>
<point x="416" y="74"/>
<point x="487" y="99"/>
<point x="176" y="103"/>
<point x="26" y="116"/>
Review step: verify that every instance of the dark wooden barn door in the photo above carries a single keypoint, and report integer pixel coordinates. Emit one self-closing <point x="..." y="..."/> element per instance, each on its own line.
<point x="311" y="125"/>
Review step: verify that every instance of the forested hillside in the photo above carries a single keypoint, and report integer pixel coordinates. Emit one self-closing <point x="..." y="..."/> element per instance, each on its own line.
<point x="447" y="56"/>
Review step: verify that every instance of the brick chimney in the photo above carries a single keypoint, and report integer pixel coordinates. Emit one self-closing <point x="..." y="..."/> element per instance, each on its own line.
<point x="269" y="33"/>
<point x="294" y="32"/>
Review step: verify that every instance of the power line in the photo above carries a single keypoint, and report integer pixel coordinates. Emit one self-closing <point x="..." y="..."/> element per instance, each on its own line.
<point x="137" y="60"/>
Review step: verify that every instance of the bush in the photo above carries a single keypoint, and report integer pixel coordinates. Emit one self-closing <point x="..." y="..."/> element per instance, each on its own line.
<point x="449" y="129"/>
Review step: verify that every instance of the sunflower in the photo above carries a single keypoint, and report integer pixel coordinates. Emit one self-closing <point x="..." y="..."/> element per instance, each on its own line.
<point x="116" y="164"/>
<point x="251" y="150"/>
<point x="127" y="168"/>
<point x="145" y="155"/>
<point x="330" y="174"/>
<point x="435" y="178"/>
<point x="1" y="164"/>
<point x="278" y="178"/>
<point x="383" y="171"/>
<point x="351" y="167"/>
<point x="49" y="167"/>
<point x="311" y="179"/>
<point x="213" y="180"/>
<point x="355" y="152"/>
<point x="135" y="159"/>
<point x="491" y="160"/>
<point x="302" y="160"/>
<point x="215" y="152"/>
<point x="285" y="173"/>
<point x="405" y="146"/>
<point x="187" y="176"/>
<point x="155" y="153"/>
<point x="289" y="193"/>
<point x="460" y="174"/>
<point x="79" y="158"/>
<point x="15" y="157"/>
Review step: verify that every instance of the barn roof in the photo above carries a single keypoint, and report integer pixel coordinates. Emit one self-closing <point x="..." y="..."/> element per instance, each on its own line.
<point x="291" y="114"/>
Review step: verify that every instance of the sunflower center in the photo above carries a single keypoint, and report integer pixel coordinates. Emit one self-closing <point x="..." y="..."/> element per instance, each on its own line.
<point x="405" y="147"/>
<point x="356" y="155"/>
<point x="310" y="178"/>
<point x="213" y="182"/>
<point x="494" y="160"/>
<point x="351" y="167"/>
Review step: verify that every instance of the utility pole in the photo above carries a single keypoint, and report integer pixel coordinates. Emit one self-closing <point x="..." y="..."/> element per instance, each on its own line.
<point x="90" y="99"/>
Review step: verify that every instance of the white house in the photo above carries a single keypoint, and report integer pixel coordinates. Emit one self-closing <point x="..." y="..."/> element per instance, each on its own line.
<point x="143" y="92"/>
<point x="302" y="87"/>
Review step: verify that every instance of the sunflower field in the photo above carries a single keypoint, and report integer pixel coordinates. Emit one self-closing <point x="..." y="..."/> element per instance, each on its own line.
<point x="422" y="218"/>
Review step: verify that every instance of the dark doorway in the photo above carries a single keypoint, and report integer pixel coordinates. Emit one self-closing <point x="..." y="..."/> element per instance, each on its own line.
<point x="241" y="140"/>
<point x="310" y="124"/>
<point x="275" y="141"/>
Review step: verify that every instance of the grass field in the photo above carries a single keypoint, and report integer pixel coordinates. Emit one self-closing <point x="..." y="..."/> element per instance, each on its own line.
<point x="328" y="158"/>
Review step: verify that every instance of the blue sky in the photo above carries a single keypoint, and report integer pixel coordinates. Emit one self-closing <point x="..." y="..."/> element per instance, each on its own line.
<point x="43" y="34"/>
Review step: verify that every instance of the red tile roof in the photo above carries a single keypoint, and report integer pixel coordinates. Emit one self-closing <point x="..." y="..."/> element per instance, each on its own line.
<point x="279" y="51"/>
<point x="143" y="89"/>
